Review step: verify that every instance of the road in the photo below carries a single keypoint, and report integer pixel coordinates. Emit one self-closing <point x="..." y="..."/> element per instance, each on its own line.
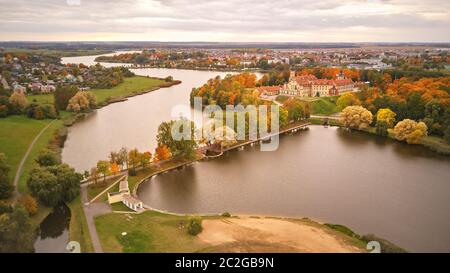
<point x="24" y="159"/>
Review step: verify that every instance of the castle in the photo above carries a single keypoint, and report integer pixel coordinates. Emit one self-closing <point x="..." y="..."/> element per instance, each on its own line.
<point x="310" y="86"/>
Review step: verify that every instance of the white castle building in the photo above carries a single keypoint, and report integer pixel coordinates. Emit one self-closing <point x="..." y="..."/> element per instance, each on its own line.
<point x="310" y="86"/>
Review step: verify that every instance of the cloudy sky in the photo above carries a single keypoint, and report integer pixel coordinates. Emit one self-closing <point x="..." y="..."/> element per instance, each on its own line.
<point x="226" y="20"/>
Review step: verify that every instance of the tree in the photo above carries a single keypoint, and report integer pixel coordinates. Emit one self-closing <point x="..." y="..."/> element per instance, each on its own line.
<point x="297" y="109"/>
<point x="195" y="226"/>
<point x="134" y="159"/>
<point x="347" y="99"/>
<point x="16" y="232"/>
<point x="18" y="101"/>
<point x="162" y="153"/>
<point x="103" y="167"/>
<point x="29" y="203"/>
<point x="381" y="128"/>
<point x="82" y="101"/>
<point x="94" y="174"/>
<point x="122" y="157"/>
<point x="410" y="131"/>
<point x="183" y="147"/>
<point x="115" y="169"/>
<point x="356" y="117"/>
<point x="145" y="158"/>
<point x="47" y="158"/>
<point x="62" y="95"/>
<point x="415" y="106"/>
<point x="55" y="184"/>
<point x="387" y="116"/>
<point x="6" y="188"/>
<point x="283" y="116"/>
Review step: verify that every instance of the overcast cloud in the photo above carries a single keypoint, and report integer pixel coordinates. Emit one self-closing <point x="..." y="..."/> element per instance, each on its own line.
<point x="231" y="20"/>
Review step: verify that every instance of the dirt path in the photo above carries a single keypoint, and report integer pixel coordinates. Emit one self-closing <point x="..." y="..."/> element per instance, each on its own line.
<point x="246" y="234"/>
<point x="24" y="159"/>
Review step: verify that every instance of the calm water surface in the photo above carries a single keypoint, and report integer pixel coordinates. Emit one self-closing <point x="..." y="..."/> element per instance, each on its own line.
<point x="53" y="233"/>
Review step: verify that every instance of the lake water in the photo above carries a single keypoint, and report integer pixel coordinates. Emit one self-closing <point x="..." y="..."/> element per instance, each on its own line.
<point x="53" y="232"/>
<point x="372" y="185"/>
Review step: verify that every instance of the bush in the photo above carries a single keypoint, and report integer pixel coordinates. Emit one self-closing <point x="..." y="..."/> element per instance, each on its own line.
<point x="195" y="226"/>
<point x="132" y="172"/>
<point x="343" y="229"/>
<point x="5" y="208"/>
<point x="30" y="204"/>
<point x="47" y="158"/>
<point x="226" y="214"/>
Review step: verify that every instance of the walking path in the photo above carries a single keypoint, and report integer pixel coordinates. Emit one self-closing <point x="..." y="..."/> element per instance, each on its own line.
<point x="24" y="159"/>
<point x="90" y="211"/>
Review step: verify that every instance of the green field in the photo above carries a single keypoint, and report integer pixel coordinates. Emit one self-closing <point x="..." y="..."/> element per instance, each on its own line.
<point x="147" y="232"/>
<point x="59" y="53"/>
<point x="130" y="86"/>
<point x="16" y="134"/>
<point x="324" y="106"/>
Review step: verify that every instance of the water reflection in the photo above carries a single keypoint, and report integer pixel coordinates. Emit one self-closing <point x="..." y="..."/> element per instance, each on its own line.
<point x="53" y="232"/>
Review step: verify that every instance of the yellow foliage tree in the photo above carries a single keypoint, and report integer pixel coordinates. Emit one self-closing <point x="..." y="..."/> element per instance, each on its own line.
<point x="386" y="115"/>
<point x="356" y="117"/>
<point x="347" y="99"/>
<point x="30" y="204"/>
<point x="410" y="131"/>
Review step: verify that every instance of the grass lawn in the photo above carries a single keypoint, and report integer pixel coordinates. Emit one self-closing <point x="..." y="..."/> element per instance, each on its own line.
<point x="119" y="206"/>
<point x="132" y="85"/>
<point x="147" y="232"/>
<point x="282" y="98"/>
<point x="324" y="106"/>
<point x="16" y="134"/>
<point x="78" y="229"/>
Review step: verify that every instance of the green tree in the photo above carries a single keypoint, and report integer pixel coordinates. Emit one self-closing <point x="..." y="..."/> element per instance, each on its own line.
<point x="415" y="106"/>
<point x="182" y="147"/>
<point x="62" y="95"/>
<point x="55" y="184"/>
<point x="103" y="167"/>
<point x="16" y="232"/>
<point x="6" y="188"/>
<point x="47" y="158"/>
<point x="134" y="158"/>
<point x="381" y="128"/>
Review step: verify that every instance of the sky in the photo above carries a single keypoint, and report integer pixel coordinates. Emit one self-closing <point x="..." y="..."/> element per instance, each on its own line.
<point x="226" y="20"/>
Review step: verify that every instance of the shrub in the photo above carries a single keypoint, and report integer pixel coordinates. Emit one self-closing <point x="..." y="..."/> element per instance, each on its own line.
<point x="226" y="214"/>
<point x="30" y="204"/>
<point x="343" y="229"/>
<point x="195" y="226"/>
<point x="47" y="158"/>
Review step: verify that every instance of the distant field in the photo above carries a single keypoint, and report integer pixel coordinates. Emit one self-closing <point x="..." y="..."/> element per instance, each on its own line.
<point x="130" y="86"/>
<point x="59" y="53"/>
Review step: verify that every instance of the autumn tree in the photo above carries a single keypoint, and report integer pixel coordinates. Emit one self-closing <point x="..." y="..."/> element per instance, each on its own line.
<point x="185" y="145"/>
<point x="29" y="203"/>
<point x="410" y="131"/>
<point x="115" y="169"/>
<point x="386" y="115"/>
<point x="83" y="101"/>
<point x="356" y="117"/>
<point x="162" y="153"/>
<point x="18" y="102"/>
<point x="134" y="159"/>
<point x="347" y="99"/>
<point x="16" y="231"/>
<point x="62" y="95"/>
